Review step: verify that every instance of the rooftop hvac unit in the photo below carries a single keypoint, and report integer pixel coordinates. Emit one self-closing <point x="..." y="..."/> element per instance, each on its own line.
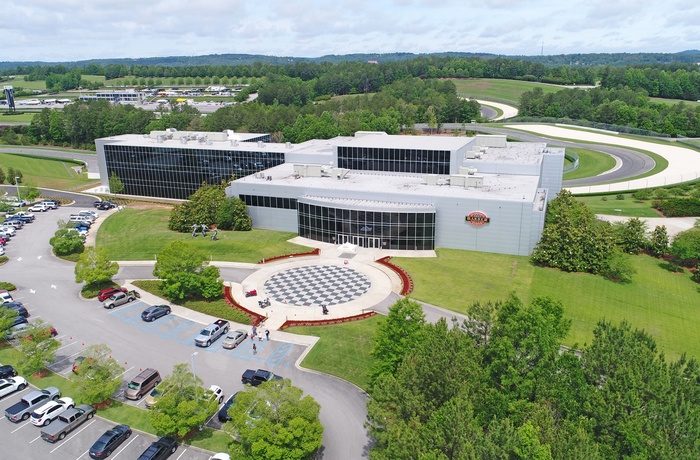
<point x="160" y="138"/>
<point x="288" y="145"/>
<point x="260" y="144"/>
<point x="471" y="171"/>
<point x="202" y="139"/>
<point x="234" y="142"/>
<point x="478" y="155"/>
<point x="431" y="179"/>
<point x="183" y="140"/>
<point x="209" y="141"/>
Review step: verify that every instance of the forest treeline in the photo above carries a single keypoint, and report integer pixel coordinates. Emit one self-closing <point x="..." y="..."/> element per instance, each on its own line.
<point x="396" y="107"/>
<point x="620" y="106"/>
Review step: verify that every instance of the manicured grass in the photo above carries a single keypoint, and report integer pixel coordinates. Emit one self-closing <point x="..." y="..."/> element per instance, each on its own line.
<point x="118" y="412"/>
<point x="657" y="100"/>
<point x="666" y="305"/>
<point x="19" y="82"/>
<point x="46" y="172"/>
<point x="612" y="206"/>
<point x="17" y="117"/>
<point x="500" y="89"/>
<point x="343" y="349"/>
<point x="216" y="307"/>
<point x="591" y="163"/>
<point x="139" y="233"/>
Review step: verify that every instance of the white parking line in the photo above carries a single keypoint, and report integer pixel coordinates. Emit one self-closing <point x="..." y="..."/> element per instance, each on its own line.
<point x="76" y="434"/>
<point x="122" y="450"/>
<point x="28" y="423"/>
<point x="183" y="453"/>
<point x="64" y="346"/>
<point x="127" y="370"/>
<point x="83" y="454"/>
<point x="38" y="437"/>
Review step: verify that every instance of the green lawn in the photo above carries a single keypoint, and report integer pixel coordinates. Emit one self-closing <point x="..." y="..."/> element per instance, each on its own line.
<point x="343" y="349"/>
<point x="667" y="305"/>
<point x="20" y="83"/>
<point x="591" y="163"/>
<point x="17" y="117"/>
<point x="612" y="206"/>
<point x="140" y="232"/>
<point x="499" y="89"/>
<point x="657" y="100"/>
<point x="46" y="172"/>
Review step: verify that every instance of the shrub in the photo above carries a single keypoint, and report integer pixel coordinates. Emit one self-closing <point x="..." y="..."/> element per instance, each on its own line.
<point x="620" y="196"/>
<point x="642" y="195"/>
<point x="4" y="284"/>
<point x="679" y="207"/>
<point x="603" y="198"/>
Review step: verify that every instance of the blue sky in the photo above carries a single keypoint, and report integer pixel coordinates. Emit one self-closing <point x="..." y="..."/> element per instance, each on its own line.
<point x="67" y="30"/>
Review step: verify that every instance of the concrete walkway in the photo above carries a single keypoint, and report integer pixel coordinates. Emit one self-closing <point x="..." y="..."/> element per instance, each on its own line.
<point x="683" y="163"/>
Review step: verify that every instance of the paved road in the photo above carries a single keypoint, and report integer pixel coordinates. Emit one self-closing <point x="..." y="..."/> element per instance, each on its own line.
<point x="89" y="159"/>
<point x="46" y="286"/>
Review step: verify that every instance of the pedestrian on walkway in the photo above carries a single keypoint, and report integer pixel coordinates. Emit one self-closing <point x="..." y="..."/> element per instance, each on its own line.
<point x="255" y="349"/>
<point x="267" y="334"/>
<point x="255" y="330"/>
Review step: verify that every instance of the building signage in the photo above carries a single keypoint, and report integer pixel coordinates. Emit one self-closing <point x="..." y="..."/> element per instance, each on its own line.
<point x="477" y="218"/>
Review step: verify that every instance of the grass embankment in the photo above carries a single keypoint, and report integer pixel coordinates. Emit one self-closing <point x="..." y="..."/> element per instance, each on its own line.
<point x="343" y="349"/>
<point x="47" y="172"/>
<point x="610" y="205"/>
<point x="663" y="303"/>
<point x="591" y="163"/>
<point x="17" y="117"/>
<point x="140" y="232"/>
<point x="509" y="90"/>
<point x="118" y="412"/>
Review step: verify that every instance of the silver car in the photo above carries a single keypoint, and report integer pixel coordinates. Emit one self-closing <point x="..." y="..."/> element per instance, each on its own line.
<point x="234" y="338"/>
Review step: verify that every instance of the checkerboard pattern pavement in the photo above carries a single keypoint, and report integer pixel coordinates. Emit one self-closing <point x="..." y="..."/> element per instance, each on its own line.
<point x="317" y="285"/>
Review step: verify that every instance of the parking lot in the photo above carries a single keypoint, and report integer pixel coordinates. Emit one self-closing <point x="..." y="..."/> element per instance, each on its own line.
<point x="27" y="443"/>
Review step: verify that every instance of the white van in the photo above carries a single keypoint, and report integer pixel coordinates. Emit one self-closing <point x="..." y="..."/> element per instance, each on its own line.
<point x="77" y="218"/>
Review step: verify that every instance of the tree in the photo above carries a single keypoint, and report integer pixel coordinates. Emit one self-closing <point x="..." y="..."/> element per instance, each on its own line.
<point x="658" y="243"/>
<point x="201" y="209"/>
<point x="184" y="404"/>
<point x="29" y="192"/>
<point x="631" y="235"/>
<point x="11" y="175"/>
<point x="275" y="421"/>
<point x="66" y="242"/>
<point x="116" y="186"/>
<point x="397" y="335"/>
<point x="99" y="375"/>
<point x="7" y="319"/>
<point x="2" y="176"/>
<point x="37" y="348"/>
<point x="686" y="246"/>
<point x="233" y="215"/>
<point x="185" y="272"/>
<point x="95" y="267"/>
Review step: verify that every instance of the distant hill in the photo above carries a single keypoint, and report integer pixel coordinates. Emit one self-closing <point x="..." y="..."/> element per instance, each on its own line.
<point x="576" y="60"/>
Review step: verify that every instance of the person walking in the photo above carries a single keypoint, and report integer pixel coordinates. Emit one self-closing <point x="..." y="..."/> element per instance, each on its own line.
<point x="255" y="349"/>
<point x="267" y="334"/>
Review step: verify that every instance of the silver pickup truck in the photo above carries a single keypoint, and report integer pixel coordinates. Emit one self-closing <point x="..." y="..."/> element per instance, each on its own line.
<point x="212" y="332"/>
<point x="67" y="422"/>
<point x="32" y="400"/>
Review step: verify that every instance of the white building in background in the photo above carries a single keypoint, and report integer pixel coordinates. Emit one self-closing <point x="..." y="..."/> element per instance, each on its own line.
<point x="373" y="190"/>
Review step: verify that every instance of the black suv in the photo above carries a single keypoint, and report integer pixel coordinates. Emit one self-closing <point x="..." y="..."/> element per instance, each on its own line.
<point x="105" y="205"/>
<point x="109" y="441"/>
<point x="7" y="372"/>
<point x="161" y="449"/>
<point x="16" y="306"/>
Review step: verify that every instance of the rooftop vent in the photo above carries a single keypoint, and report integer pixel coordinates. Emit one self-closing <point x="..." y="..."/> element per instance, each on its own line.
<point x="288" y="145"/>
<point x="183" y="140"/>
<point x="160" y="138"/>
<point x="234" y="142"/>
<point x="261" y="144"/>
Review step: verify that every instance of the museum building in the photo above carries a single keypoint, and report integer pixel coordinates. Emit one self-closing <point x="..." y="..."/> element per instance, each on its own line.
<point x="373" y="190"/>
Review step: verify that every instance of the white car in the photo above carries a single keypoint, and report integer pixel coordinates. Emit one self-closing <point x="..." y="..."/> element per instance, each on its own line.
<point x="11" y="385"/>
<point x="37" y="208"/>
<point x="51" y="410"/>
<point x="94" y="214"/>
<point x="5" y="296"/>
<point x="215" y="392"/>
<point x="9" y="229"/>
<point x="220" y="456"/>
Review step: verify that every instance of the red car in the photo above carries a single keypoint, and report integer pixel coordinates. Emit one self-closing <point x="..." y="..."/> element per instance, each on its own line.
<point x="109" y="292"/>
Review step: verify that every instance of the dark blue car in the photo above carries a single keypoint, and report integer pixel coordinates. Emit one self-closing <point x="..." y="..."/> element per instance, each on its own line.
<point x="154" y="312"/>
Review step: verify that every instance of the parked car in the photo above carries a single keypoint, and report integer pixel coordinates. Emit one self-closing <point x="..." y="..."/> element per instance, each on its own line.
<point x="25" y="215"/>
<point x="234" y="338"/>
<point x="51" y="204"/>
<point x="154" y="312"/>
<point x="67" y="422"/>
<point x="255" y="378"/>
<point x="18" y="307"/>
<point x="38" y="208"/>
<point x="109" y="441"/>
<point x="23" y="409"/>
<point x="50" y="411"/>
<point x="18" y="320"/>
<point x="9" y="229"/>
<point x="26" y="329"/>
<point x="105" y="205"/>
<point x="80" y="225"/>
<point x="159" y="450"/>
<point x="120" y="298"/>
<point x="223" y="412"/>
<point x="7" y="371"/>
<point x="220" y="456"/>
<point x="9" y="386"/>
<point x="216" y="392"/>
<point x="105" y="294"/>
<point x="5" y="296"/>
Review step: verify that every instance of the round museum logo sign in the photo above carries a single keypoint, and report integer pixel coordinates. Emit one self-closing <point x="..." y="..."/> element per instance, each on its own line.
<point x="477" y="218"/>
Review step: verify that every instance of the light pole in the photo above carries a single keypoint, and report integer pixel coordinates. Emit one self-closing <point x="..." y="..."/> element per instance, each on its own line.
<point x="193" y="373"/>
<point x="19" y="200"/>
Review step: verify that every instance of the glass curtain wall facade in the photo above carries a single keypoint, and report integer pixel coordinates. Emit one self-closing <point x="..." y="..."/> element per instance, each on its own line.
<point x="394" y="160"/>
<point x="172" y="172"/>
<point x="408" y="230"/>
